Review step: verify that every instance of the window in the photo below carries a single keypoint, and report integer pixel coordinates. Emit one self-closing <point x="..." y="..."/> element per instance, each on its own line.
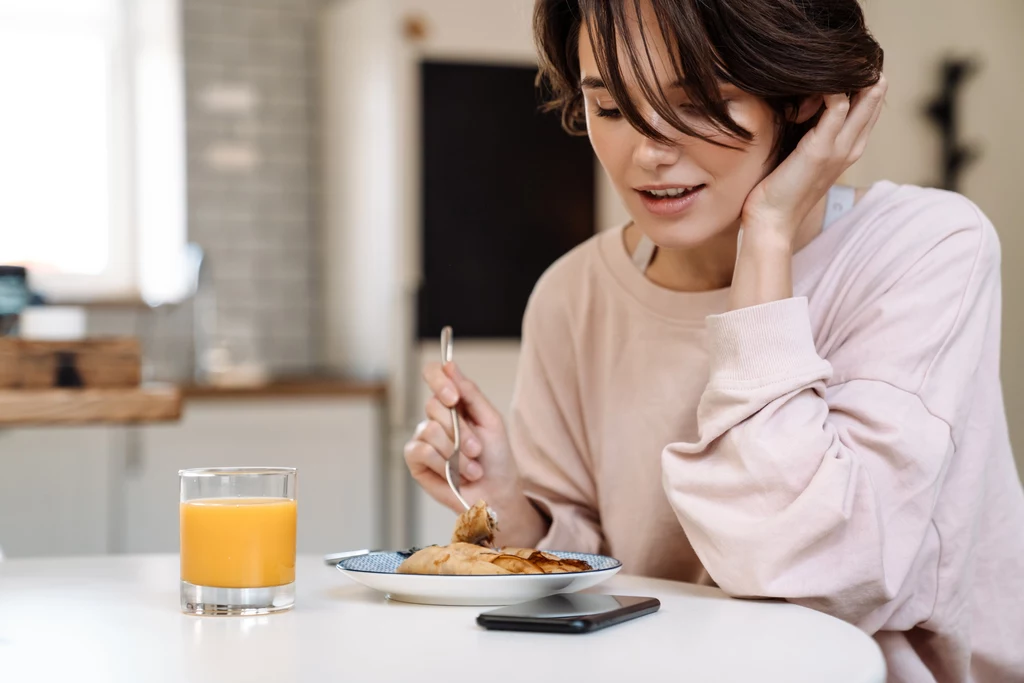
<point x="92" y="167"/>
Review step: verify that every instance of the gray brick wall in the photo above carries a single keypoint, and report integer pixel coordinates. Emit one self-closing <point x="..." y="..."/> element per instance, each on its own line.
<point x="250" y="120"/>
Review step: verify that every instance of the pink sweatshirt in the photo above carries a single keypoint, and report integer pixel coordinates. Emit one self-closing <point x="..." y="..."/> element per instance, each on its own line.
<point x="845" y="449"/>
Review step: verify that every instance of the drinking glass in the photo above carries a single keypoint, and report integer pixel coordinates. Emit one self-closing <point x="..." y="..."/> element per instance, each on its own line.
<point x="237" y="540"/>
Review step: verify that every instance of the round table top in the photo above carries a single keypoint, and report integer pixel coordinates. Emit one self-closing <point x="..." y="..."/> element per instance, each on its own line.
<point x="117" y="618"/>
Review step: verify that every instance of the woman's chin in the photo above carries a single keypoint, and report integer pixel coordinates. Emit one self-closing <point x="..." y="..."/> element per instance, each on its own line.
<point x="680" y="234"/>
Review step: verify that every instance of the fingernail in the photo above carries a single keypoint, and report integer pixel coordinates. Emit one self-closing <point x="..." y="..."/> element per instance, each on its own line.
<point x="473" y="470"/>
<point x="472" y="446"/>
<point x="449" y="397"/>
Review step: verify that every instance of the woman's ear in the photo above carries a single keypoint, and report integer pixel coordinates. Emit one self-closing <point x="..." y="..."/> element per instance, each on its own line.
<point x="809" y="106"/>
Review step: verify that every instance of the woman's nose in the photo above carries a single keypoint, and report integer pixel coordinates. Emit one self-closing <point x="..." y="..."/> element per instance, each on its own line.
<point x="650" y="154"/>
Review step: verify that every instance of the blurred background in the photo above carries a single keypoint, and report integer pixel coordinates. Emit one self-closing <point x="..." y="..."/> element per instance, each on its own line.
<point x="280" y="203"/>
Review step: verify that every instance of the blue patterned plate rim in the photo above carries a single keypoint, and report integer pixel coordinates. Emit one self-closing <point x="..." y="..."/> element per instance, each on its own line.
<point x="387" y="563"/>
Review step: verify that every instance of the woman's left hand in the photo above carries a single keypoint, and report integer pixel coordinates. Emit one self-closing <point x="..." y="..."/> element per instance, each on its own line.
<point x="781" y="202"/>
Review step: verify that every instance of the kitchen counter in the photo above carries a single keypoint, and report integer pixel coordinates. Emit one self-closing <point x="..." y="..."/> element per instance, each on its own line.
<point x="129" y="405"/>
<point x="162" y="402"/>
<point x="291" y="387"/>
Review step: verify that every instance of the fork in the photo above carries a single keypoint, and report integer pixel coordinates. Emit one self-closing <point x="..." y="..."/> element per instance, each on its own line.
<point x="451" y="466"/>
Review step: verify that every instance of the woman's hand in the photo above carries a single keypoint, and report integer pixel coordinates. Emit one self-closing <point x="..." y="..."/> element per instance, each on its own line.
<point x="488" y="471"/>
<point x="777" y="207"/>
<point x="786" y="196"/>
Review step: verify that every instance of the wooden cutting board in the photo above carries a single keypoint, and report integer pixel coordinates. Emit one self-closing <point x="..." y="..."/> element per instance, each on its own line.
<point x="8" y="362"/>
<point x="89" y="363"/>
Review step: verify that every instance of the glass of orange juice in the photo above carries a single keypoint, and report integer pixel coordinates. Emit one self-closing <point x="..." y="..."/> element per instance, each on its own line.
<point x="237" y="540"/>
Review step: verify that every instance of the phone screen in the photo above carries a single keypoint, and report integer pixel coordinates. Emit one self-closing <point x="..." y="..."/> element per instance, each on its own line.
<point x="576" y="612"/>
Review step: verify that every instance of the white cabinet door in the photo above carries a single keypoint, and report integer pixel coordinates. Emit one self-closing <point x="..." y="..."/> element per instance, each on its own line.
<point x="54" y="490"/>
<point x="333" y="442"/>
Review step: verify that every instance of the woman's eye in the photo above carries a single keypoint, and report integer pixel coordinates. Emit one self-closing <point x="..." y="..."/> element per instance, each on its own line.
<point x="695" y="113"/>
<point x="689" y="110"/>
<point x="692" y="108"/>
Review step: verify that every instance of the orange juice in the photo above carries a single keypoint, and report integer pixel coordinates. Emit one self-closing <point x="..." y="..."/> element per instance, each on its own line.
<point x="238" y="542"/>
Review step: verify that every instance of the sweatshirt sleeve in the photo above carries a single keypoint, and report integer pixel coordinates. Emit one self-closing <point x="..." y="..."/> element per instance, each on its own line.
<point x="546" y="427"/>
<point x="814" y="478"/>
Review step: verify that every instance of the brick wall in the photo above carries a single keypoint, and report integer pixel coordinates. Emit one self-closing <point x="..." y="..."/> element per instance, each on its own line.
<point x="249" y="81"/>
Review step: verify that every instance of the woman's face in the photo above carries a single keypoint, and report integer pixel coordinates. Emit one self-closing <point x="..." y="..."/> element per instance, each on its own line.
<point x="685" y="193"/>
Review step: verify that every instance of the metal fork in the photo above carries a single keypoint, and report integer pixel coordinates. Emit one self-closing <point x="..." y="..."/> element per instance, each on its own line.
<point x="451" y="467"/>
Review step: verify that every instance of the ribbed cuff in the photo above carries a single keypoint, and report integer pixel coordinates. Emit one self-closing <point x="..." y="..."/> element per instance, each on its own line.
<point x="763" y="344"/>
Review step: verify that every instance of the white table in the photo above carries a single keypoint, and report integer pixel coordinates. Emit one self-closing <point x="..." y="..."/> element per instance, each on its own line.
<point x="116" y="618"/>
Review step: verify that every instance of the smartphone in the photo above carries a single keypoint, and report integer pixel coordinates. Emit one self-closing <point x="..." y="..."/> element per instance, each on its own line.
<point x="571" y="613"/>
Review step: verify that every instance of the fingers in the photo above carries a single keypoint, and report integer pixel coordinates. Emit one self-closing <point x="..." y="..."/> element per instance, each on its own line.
<point x="860" y="144"/>
<point x="451" y="387"/>
<point x="429" y="450"/>
<point x="440" y="384"/>
<point x="476" y="405"/>
<point x="427" y="467"/>
<point x="421" y="456"/>
<point x="433" y="434"/>
<point x="438" y="413"/>
<point x="842" y="132"/>
<point x="438" y="489"/>
<point x="867" y="105"/>
<point x="830" y="124"/>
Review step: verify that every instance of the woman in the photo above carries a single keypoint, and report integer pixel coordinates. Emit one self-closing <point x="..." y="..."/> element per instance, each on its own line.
<point x="783" y="387"/>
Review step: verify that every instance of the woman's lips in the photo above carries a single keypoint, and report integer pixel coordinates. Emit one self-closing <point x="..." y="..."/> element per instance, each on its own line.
<point x="669" y="206"/>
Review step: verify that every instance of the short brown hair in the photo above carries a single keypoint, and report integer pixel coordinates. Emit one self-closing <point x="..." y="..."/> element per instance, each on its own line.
<point x="779" y="50"/>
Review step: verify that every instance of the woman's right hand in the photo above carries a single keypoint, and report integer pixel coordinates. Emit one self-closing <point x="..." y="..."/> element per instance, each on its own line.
<point x="488" y="471"/>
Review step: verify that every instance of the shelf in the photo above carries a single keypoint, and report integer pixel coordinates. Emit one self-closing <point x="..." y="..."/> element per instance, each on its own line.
<point x="134" y="405"/>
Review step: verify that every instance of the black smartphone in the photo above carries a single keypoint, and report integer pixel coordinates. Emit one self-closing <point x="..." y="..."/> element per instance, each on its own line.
<point x="572" y="613"/>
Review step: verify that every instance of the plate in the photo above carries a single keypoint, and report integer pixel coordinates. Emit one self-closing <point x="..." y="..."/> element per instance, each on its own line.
<point x="378" y="571"/>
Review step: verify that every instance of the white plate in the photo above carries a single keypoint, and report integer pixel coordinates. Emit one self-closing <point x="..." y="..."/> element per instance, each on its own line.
<point x="377" y="571"/>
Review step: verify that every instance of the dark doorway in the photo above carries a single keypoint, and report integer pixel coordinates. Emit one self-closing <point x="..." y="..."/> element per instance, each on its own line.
<point x="505" y="193"/>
